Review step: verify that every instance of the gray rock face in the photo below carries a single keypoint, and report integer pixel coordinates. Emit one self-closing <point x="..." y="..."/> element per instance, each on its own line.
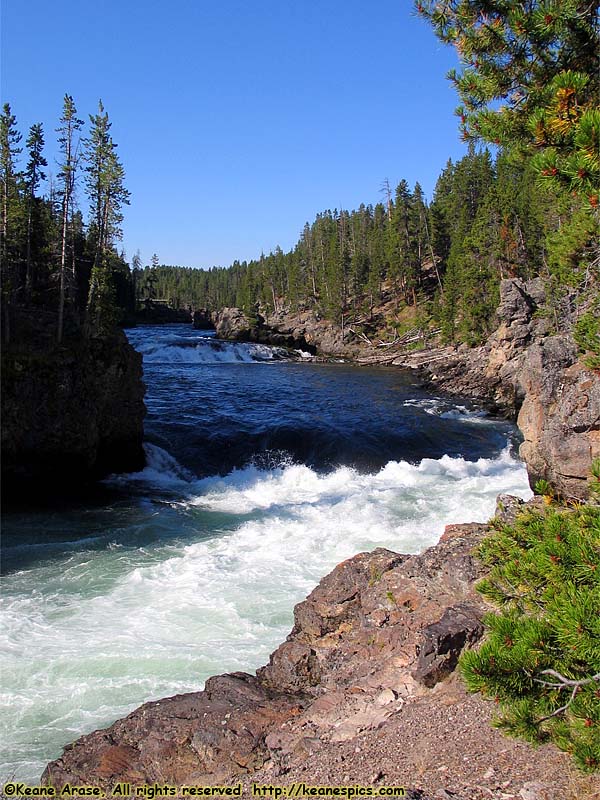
<point x="442" y="643"/>
<point x="559" y="417"/>
<point x="234" y="324"/>
<point x="526" y="370"/>
<point x="557" y="398"/>
<point x="507" y="508"/>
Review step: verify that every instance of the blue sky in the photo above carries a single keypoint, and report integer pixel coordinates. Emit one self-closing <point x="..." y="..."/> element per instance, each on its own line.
<point x="238" y="121"/>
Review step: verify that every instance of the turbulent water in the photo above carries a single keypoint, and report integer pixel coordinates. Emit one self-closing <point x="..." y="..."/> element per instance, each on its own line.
<point x="262" y="474"/>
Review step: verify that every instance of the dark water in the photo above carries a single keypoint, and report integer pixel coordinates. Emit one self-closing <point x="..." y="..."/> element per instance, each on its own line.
<point x="214" y="415"/>
<point x="262" y="475"/>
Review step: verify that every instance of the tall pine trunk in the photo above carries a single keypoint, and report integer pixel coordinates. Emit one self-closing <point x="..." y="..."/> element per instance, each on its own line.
<point x="63" y="259"/>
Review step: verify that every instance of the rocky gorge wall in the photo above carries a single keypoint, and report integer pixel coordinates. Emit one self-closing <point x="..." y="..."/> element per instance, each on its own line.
<point x="528" y="368"/>
<point x="70" y="414"/>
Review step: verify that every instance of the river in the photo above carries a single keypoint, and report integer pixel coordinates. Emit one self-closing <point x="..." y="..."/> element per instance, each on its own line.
<point x="262" y="475"/>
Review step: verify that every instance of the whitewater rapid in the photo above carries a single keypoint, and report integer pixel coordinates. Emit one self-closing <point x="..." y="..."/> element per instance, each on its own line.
<point x="263" y="473"/>
<point x="199" y="577"/>
<point x="203" y="349"/>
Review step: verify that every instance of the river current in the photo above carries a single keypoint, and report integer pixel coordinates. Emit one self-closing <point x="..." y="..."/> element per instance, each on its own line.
<point x="262" y="474"/>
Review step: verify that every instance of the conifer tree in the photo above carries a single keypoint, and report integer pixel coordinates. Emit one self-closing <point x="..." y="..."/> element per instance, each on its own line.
<point x="33" y="176"/>
<point x="529" y="78"/>
<point x="107" y="194"/>
<point x="541" y="657"/>
<point x="9" y="177"/>
<point x="70" y="125"/>
<point x="9" y="150"/>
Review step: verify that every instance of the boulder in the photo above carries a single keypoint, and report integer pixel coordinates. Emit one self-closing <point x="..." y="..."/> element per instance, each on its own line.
<point x="442" y="643"/>
<point x="508" y="508"/>
<point x="233" y="324"/>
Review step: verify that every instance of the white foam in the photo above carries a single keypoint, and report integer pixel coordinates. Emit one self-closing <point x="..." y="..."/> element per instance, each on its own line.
<point x="170" y="348"/>
<point x="161" y="471"/>
<point x="89" y="636"/>
<point x="445" y="409"/>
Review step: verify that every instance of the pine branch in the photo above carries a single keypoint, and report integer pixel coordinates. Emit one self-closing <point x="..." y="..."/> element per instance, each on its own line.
<point x="563" y="684"/>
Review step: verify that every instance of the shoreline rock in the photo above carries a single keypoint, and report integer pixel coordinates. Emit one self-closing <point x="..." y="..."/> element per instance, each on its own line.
<point x="534" y="372"/>
<point x="368" y="667"/>
<point x="71" y="414"/>
<point x="278" y="331"/>
<point x="380" y="629"/>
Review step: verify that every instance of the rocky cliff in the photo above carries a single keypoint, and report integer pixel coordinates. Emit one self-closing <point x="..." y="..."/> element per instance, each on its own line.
<point x="362" y="691"/>
<point x="528" y="369"/>
<point x="71" y="413"/>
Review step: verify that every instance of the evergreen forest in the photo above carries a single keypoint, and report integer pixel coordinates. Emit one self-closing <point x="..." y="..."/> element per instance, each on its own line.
<point x="440" y="263"/>
<point x="55" y="261"/>
<point x="527" y="208"/>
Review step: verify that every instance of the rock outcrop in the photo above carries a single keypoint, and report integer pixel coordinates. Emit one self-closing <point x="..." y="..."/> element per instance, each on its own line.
<point x="71" y="414"/>
<point x="556" y="396"/>
<point x="528" y="371"/>
<point x="233" y="324"/>
<point x="318" y="335"/>
<point x="380" y="630"/>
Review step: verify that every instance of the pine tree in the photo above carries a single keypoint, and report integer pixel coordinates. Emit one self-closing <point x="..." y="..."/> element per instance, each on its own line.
<point x="70" y="125"/>
<point x="107" y="194"/>
<point x="33" y="176"/>
<point x="9" y="177"/>
<point x="541" y="657"/>
<point x="529" y="78"/>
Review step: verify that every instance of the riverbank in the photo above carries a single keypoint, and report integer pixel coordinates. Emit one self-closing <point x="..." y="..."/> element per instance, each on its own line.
<point x="362" y="691"/>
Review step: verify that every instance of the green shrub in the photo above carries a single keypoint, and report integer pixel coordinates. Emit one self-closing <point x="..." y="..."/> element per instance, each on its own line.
<point x="540" y="660"/>
<point x="587" y="336"/>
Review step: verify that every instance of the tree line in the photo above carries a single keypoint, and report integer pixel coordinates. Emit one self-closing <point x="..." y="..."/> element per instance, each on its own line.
<point x="528" y="85"/>
<point x="52" y="258"/>
<point x="440" y="262"/>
